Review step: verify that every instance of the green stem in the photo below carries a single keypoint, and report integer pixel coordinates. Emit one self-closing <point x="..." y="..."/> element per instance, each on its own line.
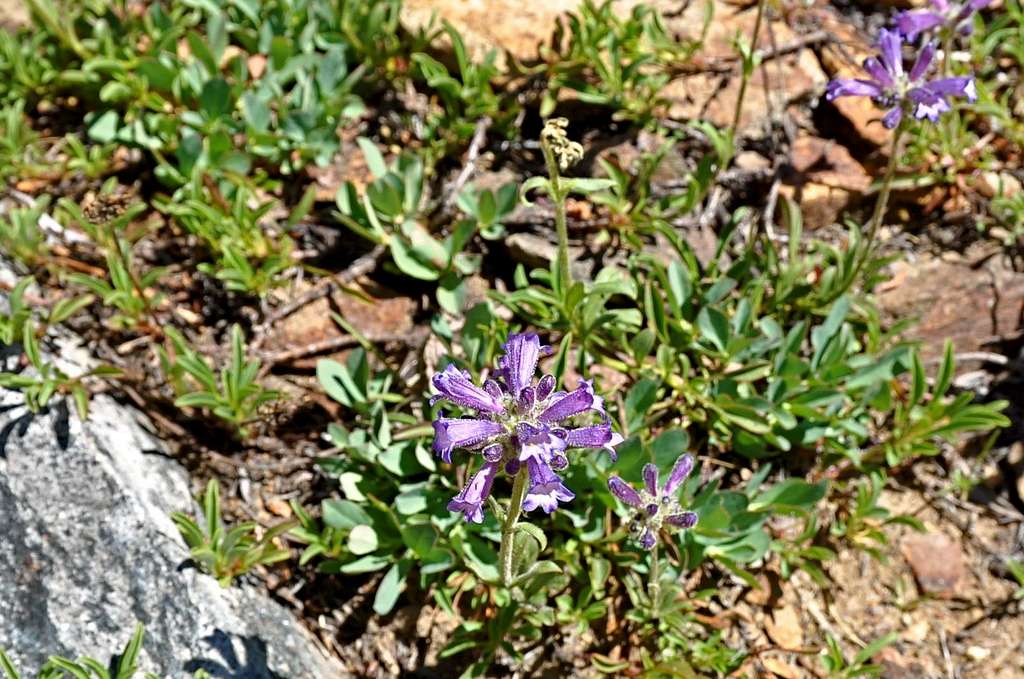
<point x="747" y="73"/>
<point x="558" y="196"/>
<point x="881" y="203"/>
<point x="654" y="586"/>
<point x="508" y="528"/>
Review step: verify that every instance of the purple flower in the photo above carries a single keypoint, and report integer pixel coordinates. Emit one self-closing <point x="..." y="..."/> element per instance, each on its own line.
<point x="954" y="17"/>
<point x="470" y="501"/>
<point x="517" y="422"/>
<point x="652" y="507"/>
<point x="892" y="88"/>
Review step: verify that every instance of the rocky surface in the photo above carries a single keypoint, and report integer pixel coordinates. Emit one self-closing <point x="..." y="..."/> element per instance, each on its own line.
<point x="87" y="549"/>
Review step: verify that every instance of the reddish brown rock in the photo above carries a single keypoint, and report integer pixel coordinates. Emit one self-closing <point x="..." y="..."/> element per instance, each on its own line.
<point x="937" y="562"/>
<point x="824" y="180"/>
<point x="522" y="28"/>
<point x="970" y="305"/>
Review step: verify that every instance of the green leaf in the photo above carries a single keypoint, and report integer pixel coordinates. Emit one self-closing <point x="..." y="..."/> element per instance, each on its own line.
<point x="215" y="99"/>
<point x="391" y="587"/>
<point x="373" y="156"/>
<point x="638" y="401"/>
<point x="791" y="494"/>
<point x="714" y="326"/>
<point x="362" y="540"/>
<point x="343" y="514"/>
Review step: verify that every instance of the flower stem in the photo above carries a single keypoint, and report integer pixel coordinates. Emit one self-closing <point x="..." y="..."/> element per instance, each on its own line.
<point x="654" y="586"/>
<point x="558" y="196"/>
<point x="747" y="73"/>
<point x="881" y="203"/>
<point x="508" y="528"/>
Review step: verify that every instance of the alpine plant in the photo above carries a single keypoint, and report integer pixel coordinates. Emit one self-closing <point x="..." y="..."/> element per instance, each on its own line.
<point x="517" y="422"/>
<point x="903" y="92"/>
<point x="654" y="507"/>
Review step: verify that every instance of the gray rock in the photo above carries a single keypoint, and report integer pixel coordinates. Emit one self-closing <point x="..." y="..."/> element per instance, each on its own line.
<point x="87" y="549"/>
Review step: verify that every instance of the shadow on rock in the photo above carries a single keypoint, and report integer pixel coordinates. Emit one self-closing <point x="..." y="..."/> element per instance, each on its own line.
<point x="230" y="666"/>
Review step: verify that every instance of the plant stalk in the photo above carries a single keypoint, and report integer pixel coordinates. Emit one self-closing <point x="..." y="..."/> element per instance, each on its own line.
<point x="654" y="586"/>
<point x="881" y="203"/>
<point x="747" y="74"/>
<point x="561" y="228"/>
<point x="508" y="528"/>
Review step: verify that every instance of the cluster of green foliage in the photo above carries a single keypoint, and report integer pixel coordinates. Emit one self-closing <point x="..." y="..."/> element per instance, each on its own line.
<point x="227" y="553"/>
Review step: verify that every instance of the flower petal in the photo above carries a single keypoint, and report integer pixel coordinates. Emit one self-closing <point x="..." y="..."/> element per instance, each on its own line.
<point x="538" y="444"/>
<point x="924" y="61"/>
<point x="892" y="117"/>
<point x="451" y="433"/>
<point x="851" y="88"/>
<point x="470" y="501"/>
<point x="456" y="386"/>
<point x="650" y="474"/>
<point x="594" y="436"/>
<point x="953" y="87"/>
<point x="624" y="491"/>
<point x="518" y="365"/>
<point x="546" y="488"/>
<point x="648" y="539"/>
<point x="545" y="386"/>
<point x="684" y="520"/>
<point x="680" y="470"/>
<point x="564" y="405"/>
<point x="912" y="24"/>
<point x="891" y="47"/>
<point x="875" y="69"/>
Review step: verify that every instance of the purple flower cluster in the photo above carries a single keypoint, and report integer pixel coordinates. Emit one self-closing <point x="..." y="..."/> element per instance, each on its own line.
<point x="655" y="507"/>
<point x="518" y="423"/>
<point x="943" y="15"/>
<point x="901" y="91"/>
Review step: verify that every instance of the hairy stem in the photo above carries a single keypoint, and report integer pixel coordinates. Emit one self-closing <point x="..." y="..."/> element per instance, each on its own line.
<point x="508" y="528"/>
<point x="558" y="196"/>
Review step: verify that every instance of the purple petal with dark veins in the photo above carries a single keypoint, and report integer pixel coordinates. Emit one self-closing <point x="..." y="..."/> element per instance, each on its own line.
<point x="493" y="452"/>
<point x="470" y="501"/>
<point x="913" y="24"/>
<point x="851" y="88"/>
<point x="648" y="539"/>
<point x="452" y="433"/>
<point x="684" y="520"/>
<point x="546" y="488"/>
<point x="518" y="365"/>
<point x="923" y="62"/>
<point x="541" y="446"/>
<point x="624" y="491"/>
<point x="545" y="387"/>
<point x="580" y="400"/>
<point x="456" y="386"/>
<point x="680" y="470"/>
<point x="650" y="474"/>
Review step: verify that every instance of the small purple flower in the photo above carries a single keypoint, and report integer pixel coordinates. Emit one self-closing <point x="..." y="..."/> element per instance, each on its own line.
<point x="943" y="15"/>
<point x="652" y="507"/>
<point x="900" y="92"/>
<point x="517" y="422"/>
